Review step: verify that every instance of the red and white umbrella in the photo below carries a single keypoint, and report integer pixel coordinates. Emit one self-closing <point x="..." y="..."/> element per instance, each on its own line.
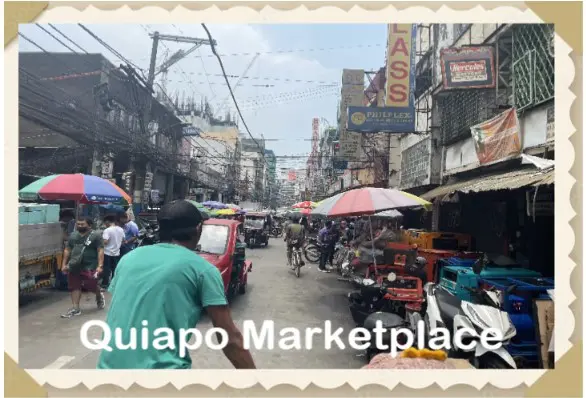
<point x="304" y="205"/>
<point x="367" y="201"/>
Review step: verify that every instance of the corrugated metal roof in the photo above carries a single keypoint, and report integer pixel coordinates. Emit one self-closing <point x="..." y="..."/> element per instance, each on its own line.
<point x="495" y="182"/>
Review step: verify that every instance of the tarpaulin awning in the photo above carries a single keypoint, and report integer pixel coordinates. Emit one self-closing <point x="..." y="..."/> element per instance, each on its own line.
<point x="507" y="180"/>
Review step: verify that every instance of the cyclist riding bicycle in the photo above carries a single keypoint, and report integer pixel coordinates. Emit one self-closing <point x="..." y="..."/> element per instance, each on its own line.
<point x="295" y="237"/>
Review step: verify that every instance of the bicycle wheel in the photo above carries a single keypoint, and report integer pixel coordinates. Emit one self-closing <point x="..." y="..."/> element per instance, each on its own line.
<point x="312" y="253"/>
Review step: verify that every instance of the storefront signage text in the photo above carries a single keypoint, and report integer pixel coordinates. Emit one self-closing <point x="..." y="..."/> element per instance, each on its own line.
<point x="400" y="79"/>
<point x="372" y="120"/>
<point x="468" y="67"/>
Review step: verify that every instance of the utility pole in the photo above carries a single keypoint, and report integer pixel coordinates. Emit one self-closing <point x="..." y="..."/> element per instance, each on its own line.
<point x="153" y="72"/>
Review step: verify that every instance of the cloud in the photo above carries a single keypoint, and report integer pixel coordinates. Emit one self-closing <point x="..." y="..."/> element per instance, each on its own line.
<point x="283" y="110"/>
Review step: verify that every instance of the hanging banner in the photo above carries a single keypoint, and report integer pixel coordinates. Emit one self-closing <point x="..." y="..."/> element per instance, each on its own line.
<point x="292" y="175"/>
<point x="386" y="120"/>
<point x="400" y="75"/>
<point x="498" y="138"/>
<point x="468" y="67"/>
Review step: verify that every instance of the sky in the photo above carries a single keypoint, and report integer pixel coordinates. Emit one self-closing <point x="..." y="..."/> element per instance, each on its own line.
<point x="311" y="55"/>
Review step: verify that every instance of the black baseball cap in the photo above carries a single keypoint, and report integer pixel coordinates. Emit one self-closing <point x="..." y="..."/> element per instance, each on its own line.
<point x="179" y="215"/>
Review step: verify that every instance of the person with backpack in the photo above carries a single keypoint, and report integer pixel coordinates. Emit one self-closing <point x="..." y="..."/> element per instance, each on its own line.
<point x="83" y="261"/>
<point x="294" y="232"/>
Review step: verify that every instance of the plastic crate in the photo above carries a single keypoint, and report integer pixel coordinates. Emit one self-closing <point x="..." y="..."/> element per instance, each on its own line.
<point x="461" y="262"/>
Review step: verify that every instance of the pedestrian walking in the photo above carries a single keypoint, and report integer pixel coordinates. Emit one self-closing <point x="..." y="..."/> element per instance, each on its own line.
<point x="83" y="261"/>
<point x="113" y="237"/>
<point x="168" y="286"/>
<point x="130" y="234"/>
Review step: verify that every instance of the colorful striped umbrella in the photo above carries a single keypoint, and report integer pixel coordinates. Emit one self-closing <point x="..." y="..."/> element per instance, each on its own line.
<point x="368" y="201"/>
<point x="205" y="213"/>
<point x="226" y="212"/>
<point x="214" y="205"/>
<point x="79" y="188"/>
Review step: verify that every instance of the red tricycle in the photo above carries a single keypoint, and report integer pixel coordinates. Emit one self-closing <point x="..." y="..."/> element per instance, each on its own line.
<point x="221" y="245"/>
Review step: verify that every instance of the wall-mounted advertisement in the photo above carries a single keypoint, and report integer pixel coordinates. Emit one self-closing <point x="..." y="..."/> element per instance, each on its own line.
<point x="497" y="139"/>
<point x="468" y="67"/>
<point x="384" y="120"/>
<point x="400" y="76"/>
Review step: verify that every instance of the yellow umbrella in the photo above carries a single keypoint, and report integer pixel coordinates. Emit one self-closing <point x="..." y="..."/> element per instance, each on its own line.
<point x="226" y="212"/>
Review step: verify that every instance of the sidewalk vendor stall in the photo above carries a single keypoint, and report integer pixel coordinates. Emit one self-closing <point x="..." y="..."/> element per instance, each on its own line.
<point x="78" y="188"/>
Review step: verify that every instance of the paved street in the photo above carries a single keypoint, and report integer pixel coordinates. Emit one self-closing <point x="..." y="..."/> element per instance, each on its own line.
<point x="273" y="293"/>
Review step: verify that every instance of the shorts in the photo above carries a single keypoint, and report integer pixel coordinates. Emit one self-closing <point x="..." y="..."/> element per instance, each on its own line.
<point x="75" y="281"/>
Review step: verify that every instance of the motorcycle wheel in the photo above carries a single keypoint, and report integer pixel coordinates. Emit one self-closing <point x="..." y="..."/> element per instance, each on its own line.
<point x="312" y="253"/>
<point x="490" y="361"/>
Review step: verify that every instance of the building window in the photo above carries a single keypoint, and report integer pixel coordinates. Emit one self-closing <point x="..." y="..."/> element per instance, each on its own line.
<point x="533" y="64"/>
<point x="461" y="109"/>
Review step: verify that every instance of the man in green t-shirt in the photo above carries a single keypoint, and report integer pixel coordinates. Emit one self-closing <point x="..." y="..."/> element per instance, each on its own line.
<point x="168" y="285"/>
<point x="83" y="260"/>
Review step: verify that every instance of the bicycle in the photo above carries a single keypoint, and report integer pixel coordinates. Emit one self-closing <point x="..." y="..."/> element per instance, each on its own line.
<point x="296" y="259"/>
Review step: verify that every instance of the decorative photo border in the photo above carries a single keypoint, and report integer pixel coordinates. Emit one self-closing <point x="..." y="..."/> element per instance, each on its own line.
<point x="564" y="380"/>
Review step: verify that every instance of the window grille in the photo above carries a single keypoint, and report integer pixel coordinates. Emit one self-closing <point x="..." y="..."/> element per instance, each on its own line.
<point x="461" y="109"/>
<point x="533" y="65"/>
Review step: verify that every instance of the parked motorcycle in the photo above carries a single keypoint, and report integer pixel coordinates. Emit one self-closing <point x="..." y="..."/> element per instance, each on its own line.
<point x="148" y="236"/>
<point x="368" y="306"/>
<point x="446" y="310"/>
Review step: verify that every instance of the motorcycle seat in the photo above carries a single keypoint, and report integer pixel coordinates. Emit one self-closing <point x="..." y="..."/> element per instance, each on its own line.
<point x="389" y="320"/>
<point x="449" y="306"/>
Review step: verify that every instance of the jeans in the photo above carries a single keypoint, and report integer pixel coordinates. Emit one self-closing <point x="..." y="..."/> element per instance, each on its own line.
<point x="327" y="255"/>
<point x="110" y="263"/>
<point x="125" y="250"/>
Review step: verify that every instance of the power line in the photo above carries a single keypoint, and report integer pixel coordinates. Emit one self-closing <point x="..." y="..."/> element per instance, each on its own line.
<point x="213" y="47"/>
<point x="300" y="50"/>
<point x="67" y="38"/>
<point x="53" y="36"/>
<point x="112" y="50"/>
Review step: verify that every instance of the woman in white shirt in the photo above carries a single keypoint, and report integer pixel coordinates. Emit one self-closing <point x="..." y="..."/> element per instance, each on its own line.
<point x="113" y="237"/>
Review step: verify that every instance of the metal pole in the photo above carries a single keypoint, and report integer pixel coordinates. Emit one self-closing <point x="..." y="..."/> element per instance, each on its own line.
<point x="372" y="242"/>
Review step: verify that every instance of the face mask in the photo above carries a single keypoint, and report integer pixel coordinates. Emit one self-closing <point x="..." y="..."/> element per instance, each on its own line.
<point x="82" y="230"/>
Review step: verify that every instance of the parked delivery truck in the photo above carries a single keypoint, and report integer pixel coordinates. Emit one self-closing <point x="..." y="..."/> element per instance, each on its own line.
<point x="40" y="245"/>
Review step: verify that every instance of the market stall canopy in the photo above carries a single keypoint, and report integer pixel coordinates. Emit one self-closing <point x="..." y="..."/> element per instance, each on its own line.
<point x="233" y="206"/>
<point x="368" y="201"/>
<point x="80" y="188"/>
<point x="497" y="181"/>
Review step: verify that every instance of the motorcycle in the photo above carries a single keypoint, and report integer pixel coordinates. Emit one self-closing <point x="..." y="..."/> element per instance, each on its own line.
<point x="148" y="236"/>
<point x="446" y="310"/>
<point x="276" y="231"/>
<point x="369" y="306"/>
